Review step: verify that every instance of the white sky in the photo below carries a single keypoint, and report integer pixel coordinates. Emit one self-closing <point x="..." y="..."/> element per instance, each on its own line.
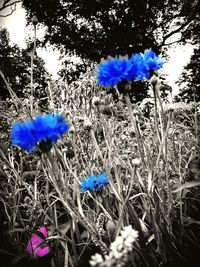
<point x="18" y="31"/>
<point x="179" y="56"/>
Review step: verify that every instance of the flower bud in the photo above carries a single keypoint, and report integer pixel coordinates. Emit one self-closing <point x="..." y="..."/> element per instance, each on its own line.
<point x="34" y="20"/>
<point x="136" y="162"/>
<point x="81" y="119"/>
<point x="102" y="102"/>
<point x="48" y="79"/>
<point x="5" y="167"/>
<point x="87" y="124"/>
<point x="95" y="101"/>
<point x="136" y="112"/>
<point x="71" y="130"/>
<point x="132" y="131"/>
<point x="193" y="148"/>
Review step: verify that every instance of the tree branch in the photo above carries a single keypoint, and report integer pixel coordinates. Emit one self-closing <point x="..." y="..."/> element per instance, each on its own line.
<point x="9" y="3"/>
<point x="12" y="10"/>
<point x="167" y="36"/>
<point x="178" y="41"/>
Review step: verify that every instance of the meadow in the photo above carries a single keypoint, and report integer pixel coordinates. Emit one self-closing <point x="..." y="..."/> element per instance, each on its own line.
<point x="105" y="183"/>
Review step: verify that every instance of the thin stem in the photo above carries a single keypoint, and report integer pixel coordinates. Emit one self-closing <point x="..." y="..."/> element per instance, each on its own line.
<point x="66" y="256"/>
<point x="156" y="115"/>
<point x="134" y="125"/>
<point x="32" y="58"/>
<point x="50" y="96"/>
<point x="104" y="164"/>
<point x="17" y="102"/>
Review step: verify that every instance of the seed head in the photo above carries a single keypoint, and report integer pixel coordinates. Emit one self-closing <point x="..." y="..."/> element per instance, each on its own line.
<point x="95" y="100"/>
<point x="136" y="162"/>
<point x="87" y="124"/>
<point x="34" y="20"/>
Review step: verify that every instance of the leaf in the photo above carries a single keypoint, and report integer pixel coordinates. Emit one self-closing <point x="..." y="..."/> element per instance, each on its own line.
<point x="188" y="220"/>
<point x="65" y="227"/>
<point x="187" y="185"/>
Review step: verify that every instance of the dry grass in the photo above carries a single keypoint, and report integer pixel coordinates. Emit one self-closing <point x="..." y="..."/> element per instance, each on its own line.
<point x="147" y="161"/>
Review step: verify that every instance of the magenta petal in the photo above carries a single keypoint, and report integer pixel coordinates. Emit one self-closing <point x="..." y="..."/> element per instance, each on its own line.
<point x="33" y="243"/>
<point x="43" y="230"/>
<point x="33" y="246"/>
<point x="29" y="248"/>
<point x="36" y="240"/>
<point x="40" y="252"/>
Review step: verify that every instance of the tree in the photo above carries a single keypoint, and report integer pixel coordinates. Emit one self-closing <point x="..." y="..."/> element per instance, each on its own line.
<point x="7" y="7"/>
<point x="15" y="65"/>
<point x="95" y="29"/>
<point x="73" y="67"/>
<point x="190" y="78"/>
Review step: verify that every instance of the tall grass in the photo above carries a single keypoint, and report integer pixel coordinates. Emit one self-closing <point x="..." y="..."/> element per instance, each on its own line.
<point x="146" y="160"/>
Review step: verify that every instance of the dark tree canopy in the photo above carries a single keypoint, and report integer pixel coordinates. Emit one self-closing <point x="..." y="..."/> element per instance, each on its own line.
<point x="15" y="65"/>
<point x="190" y="79"/>
<point x="95" y="29"/>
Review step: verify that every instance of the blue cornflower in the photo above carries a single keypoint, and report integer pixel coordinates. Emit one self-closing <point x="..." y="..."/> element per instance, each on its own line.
<point x="44" y="129"/>
<point x="22" y="135"/>
<point x="138" y="67"/>
<point x="113" y="71"/>
<point x="94" y="182"/>
<point x="138" y="70"/>
<point x="151" y="62"/>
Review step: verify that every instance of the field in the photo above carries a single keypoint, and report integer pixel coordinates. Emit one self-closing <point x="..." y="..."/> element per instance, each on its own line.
<point x="119" y="187"/>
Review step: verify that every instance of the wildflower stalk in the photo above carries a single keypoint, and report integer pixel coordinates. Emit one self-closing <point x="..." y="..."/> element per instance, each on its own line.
<point x="156" y="116"/>
<point x="164" y="127"/>
<point x="66" y="256"/>
<point x="52" y="172"/>
<point x="50" y="95"/>
<point x="12" y="93"/>
<point x="104" y="164"/>
<point x="159" y="112"/>
<point x="35" y="192"/>
<point x="32" y="58"/>
<point x="17" y="102"/>
<point x="97" y="148"/>
<point x="130" y="187"/>
<point x="135" y="126"/>
<point x="108" y="133"/>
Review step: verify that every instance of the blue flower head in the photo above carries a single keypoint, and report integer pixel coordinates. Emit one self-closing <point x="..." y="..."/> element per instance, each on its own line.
<point x="139" y="70"/>
<point x="138" y="67"/>
<point x="94" y="182"/>
<point x="44" y="129"/>
<point x="151" y="61"/>
<point x="22" y="135"/>
<point x="113" y="71"/>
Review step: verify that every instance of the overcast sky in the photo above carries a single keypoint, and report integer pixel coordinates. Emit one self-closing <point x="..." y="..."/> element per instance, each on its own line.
<point x="15" y="23"/>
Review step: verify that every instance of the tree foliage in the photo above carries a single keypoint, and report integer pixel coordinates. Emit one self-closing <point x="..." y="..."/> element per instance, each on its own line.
<point x="15" y="65"/>
<point x="190" y="78"/>
<point x="95" y="29"/>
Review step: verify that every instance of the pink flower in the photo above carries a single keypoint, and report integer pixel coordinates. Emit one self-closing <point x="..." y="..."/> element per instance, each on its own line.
<point x="36" y="244"/>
